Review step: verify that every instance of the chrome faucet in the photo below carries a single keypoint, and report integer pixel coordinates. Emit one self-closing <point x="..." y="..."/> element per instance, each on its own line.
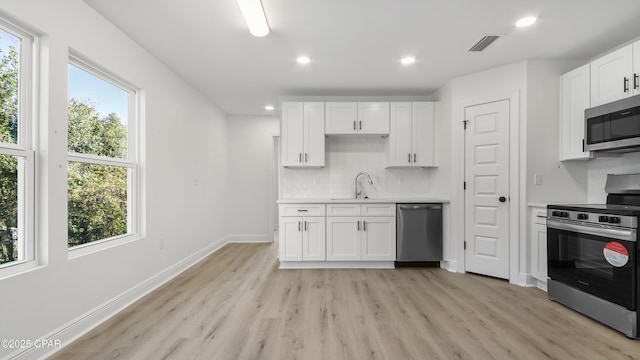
<point x="358" y="193"/>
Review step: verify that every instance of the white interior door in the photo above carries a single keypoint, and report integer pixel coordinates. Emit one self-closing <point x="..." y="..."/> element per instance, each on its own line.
<point x="487" y="189"/>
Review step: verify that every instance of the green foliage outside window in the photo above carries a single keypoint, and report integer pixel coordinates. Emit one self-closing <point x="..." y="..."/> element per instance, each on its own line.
<point x="97" y="194"/>
<point x="8" y="164"/>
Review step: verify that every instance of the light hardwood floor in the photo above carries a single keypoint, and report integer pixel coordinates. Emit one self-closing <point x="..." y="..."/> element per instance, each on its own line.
<point x="236" y="304"/>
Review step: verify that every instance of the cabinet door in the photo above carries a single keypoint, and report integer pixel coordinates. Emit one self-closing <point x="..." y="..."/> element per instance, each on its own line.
<point x="313" y="134"/>
<point x="608" y="75"/>
<point x="343" y="239"/>
<point x="292" y="131"/>
<point x="539" y="252"/>
<point x="313" y="239"/>
<point x="290" y="238"/>
<point x="373" y="118"/>
<point x="422" y="139"/>
<point x="341" y="118"/>
<point x="399" y="152"/>
<point x="379" y="238"/>
<point x="636" y="68"/>
<point x="575" y="99"/>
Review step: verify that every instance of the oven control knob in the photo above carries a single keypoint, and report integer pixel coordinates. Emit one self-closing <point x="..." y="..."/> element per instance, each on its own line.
<point x="603" y="219"/>
<point x="583" y="217"/>
<point x="555" y="213"/>
<point x="564" y="214"/>
<point x="614" y="220"/>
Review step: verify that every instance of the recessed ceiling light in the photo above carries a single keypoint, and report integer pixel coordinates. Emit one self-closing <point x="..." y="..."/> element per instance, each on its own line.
<point x="303" y="60"/>
<point x="269" y="108"/>
<point x="254" y="17"/>
<point x="408" y="60"/>
<point x="526" y="21"/>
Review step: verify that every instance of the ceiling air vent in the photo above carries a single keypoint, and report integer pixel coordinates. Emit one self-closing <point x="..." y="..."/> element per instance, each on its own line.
<point x="484" y="42"/>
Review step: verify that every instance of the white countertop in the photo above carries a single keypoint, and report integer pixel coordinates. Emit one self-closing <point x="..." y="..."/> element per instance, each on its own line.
<point x="363" y="201"/>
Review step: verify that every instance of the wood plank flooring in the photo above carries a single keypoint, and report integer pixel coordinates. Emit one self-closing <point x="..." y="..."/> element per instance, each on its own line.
<point x="236" y="304"/>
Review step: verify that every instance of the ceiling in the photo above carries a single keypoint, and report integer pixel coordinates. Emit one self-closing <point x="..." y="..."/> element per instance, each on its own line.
<point x="356" y="45"/>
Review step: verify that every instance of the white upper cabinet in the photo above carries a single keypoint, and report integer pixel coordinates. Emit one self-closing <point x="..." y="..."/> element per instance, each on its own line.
<point x="612" y="76"/>
<point x="411" y="139"/>
<point x="357" y="118"/>
<point x="373" y="118"/>
<point x="302" y="134"/>
<point x="341" y="118"/>
<point x="635" y="81"/>
<point x="575" y="99"/>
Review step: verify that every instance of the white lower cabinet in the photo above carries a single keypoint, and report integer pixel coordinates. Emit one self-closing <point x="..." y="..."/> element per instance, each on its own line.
<point x="302" y="238"/>
<point x="349" y="235"/>
<point x="539" y="244"/>
<point x="343" y="239"/>
<point x="378" y="238"/>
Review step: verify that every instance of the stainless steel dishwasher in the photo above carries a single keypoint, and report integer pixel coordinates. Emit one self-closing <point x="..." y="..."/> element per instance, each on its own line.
<point x="418" y="234"/>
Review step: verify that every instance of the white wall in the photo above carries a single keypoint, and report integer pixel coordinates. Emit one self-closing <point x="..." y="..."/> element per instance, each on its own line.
<point x="185" y="158"/>
<point x="562" y="182"/>
<point x="250" y="172"/>
<point x="600" y="167"/>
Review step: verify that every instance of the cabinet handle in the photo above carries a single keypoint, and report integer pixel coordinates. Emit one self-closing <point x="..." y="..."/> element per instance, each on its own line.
<point x="360" y="124"/>
<point x="300" y="157"/>
<point x="364" y="225"/>
<point x="306" y="157"/>
<point x="358" y="225"/>
<point x="414" y="157"/>
<point x="354" y="124"/>
<point x="305" y="226"/>
<point x="635" y="81"/>
<point x="298" y="225"/>
<point x="303" y="210"/>
<point x="409" y="157"/>
<point x="626" y="84"/>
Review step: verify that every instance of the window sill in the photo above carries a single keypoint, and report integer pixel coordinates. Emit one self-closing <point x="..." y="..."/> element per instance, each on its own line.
<point x="19" y="268"/>
<point x="97" y="246"/>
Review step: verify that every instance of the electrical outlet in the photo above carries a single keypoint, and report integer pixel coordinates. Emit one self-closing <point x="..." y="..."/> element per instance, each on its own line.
<point x="317" y="181"/>
<point x="537" y="179"/>
<point x="161" y="243"/>
<point x="402" y="181"/>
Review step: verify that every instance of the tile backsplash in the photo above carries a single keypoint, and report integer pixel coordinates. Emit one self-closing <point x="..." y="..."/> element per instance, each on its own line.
<point x="346" y="156"/>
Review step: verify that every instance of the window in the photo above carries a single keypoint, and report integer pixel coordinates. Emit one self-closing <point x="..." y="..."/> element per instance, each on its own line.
<point x="16" y="155"/>
<point x="102" y="156"/>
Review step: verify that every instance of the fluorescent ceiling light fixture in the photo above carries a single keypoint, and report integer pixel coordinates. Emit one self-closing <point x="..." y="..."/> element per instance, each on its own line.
<point x="269" y="108"/>
<point x="303" y="60"/>
<point x="526" y="21"/>
<point x="408" y="60"/>
<point x="254" y="16"/>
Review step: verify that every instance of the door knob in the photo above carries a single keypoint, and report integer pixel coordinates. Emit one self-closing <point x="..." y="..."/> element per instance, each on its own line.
<point x="502" y="199"/>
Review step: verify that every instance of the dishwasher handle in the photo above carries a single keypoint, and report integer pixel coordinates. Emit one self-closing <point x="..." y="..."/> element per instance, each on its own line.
<point x="419" y="206"/>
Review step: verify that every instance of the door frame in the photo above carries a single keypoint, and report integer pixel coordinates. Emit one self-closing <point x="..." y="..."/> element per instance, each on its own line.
<point x="517" y="170"/>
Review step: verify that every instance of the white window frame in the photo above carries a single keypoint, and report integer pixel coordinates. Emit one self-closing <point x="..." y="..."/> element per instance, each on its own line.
<point x="131" y="163"/>
<point x="24" y="151"/>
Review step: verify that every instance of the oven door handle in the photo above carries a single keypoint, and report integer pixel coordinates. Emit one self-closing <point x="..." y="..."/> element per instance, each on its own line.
<point x="618" y="234"/>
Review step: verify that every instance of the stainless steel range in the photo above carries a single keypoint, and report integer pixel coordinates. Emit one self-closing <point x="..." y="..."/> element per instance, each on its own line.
<point x="592" y="254"/>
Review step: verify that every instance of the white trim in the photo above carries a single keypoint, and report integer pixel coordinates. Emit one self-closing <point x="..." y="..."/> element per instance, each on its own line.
<point x="81" y="325"/>
<point x="250" y="238"/>
<point x="516" y="166"/>
<point x="527" y="280"/>
<point x="449" y="265"/>
<point x="99" y="160"/>
<point x="337" y="265"/>
<point x="542" y="285"/>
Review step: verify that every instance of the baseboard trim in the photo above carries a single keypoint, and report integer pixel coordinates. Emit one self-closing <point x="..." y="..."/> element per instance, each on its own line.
<point x="81" y="325"/>
<point x="449" y="265"/>
<point x="337" y="265"/>
<point x="249" y="239"/>
<point x="542" y="285"/>
<point x="527" y="280"/>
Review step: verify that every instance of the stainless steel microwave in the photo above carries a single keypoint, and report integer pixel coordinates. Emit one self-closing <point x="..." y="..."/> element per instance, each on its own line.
<point x="613" y="127"/>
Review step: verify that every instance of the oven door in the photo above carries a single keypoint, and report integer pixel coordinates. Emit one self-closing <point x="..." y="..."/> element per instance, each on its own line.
<point x="599" y="260"/>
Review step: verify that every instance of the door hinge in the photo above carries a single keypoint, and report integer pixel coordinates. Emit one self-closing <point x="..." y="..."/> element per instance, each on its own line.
<point x="465" y="245"/>
<point x="464" y="185"/>
<point x="465" y="123"/>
